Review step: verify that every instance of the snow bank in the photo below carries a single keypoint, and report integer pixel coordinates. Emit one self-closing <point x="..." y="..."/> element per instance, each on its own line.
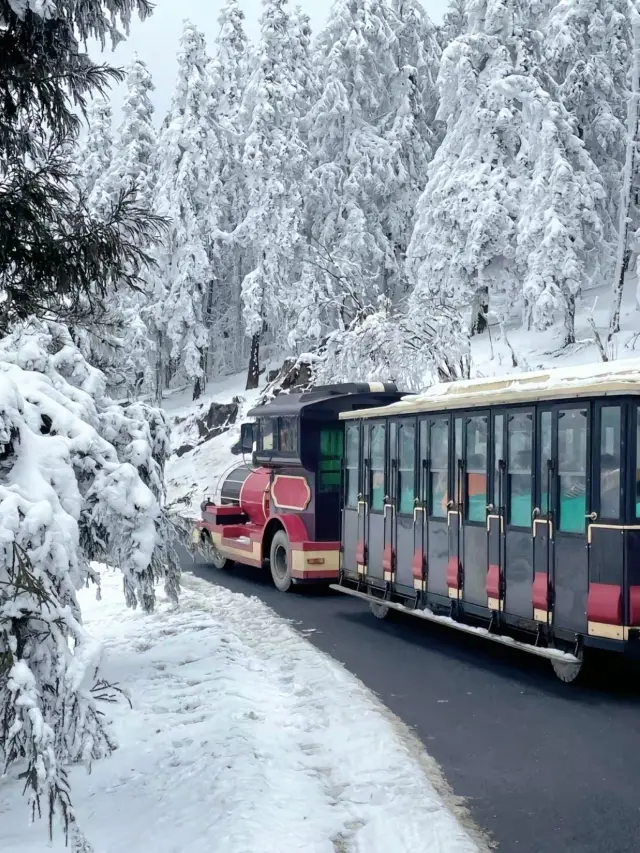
<point x="243" y="739"/>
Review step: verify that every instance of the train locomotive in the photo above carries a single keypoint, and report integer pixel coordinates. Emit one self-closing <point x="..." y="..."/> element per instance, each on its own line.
<point x="506" y="507"/>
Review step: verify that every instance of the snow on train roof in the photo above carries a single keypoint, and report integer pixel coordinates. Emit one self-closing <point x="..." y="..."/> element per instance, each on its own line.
<point x="588" y="380"/>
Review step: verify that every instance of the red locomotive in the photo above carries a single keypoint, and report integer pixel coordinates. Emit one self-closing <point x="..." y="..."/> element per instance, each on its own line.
<point x="283" y="511"/>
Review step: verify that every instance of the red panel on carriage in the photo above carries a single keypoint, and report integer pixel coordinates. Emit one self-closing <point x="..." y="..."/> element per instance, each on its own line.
<point x="493" y="582"/>
<point x="540" y="591"/>
<point x="604" y="603"/>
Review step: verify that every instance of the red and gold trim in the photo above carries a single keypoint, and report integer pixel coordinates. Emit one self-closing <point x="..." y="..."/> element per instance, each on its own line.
<point x="418" y="566"/>
<point x="494" y="602"/>
<point x="245" y="552"/>
<point x="315" y="560"/>
<point x="291" y="493"/>
<point x="453" y="578"/>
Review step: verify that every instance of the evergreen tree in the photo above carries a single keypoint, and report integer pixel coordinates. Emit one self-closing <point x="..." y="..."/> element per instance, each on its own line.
<point x="95" y="151"/>
<point x="276" y="163"/>
<point x="371" y="136"/>
<point x="186" y="193"/>
<point x="509" y="174"/>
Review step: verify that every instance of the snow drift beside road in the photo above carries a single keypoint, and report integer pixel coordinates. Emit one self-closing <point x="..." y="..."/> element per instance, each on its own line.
<point x="243" y="739"/>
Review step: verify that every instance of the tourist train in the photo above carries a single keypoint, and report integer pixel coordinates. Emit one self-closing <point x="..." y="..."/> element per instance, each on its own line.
<point x="507" y="507"/>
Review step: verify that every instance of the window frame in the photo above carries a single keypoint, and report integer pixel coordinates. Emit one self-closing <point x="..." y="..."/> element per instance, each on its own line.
<point x="473" y="415"/>
<point x="596" y="472"/>
<point x="356" y="426"/>
<point x="402" y="424"/>
<point x="509" y="413"/>
<point x="432" y="420"/>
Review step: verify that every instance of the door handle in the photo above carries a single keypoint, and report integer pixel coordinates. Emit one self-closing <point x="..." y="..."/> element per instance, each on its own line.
<point x="592" y="516"/>
<point x="386" y="507"/>
<point x="490" y="507"/>
<point x="535" y="514"/>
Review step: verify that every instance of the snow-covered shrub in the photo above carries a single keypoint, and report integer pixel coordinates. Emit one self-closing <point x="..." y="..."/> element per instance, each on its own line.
<point x="81" y="480"/>
<point x="387" y="345"/>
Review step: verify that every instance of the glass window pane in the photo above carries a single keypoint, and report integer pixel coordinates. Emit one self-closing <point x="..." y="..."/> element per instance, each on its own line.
<point x="266" y="432"/>
<point x="519" y="469"/>
<point x="288" y="435"/>
<point x="423" y="456"/>
<point x="498" y="455"/>
<point x="329" y="473"/>
<point x="439" y="464"/>
<point x="377" y="467"/>
<point x="456" y="470"/>
<point x="544" y="472"/>
<point x="352" y="465"/>
<point x="476" y="477"/>
<point x="572" y="469"/>
<point x="610" y="426"/>
<point x="406" y="468"/>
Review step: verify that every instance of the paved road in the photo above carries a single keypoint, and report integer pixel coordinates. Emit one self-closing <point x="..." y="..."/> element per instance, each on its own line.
<point x="544" y="768"/>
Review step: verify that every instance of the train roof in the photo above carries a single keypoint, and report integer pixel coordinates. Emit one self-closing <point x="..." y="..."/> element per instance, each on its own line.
<point x="616" y="378"/>
<point x="331" y="397"/>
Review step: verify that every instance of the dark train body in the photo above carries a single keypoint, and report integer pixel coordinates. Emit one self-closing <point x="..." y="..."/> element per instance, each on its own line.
<point x="509" y="507"/>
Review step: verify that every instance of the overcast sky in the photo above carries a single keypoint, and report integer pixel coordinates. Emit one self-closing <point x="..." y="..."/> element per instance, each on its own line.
<point x="156" y="39"/>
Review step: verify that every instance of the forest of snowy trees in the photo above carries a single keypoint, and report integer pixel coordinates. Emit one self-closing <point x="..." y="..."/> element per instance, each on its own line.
<point x="371" y="195"/>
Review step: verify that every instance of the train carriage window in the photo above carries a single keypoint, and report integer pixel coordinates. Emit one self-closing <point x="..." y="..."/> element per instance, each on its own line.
<point x="610" y="429"/>
<point x="572" y="469"/>
<point x="520" y="480"/>
<point x="439" y="468"/>
<point x="544" y="472"/>
<point x="457" y="428"/>
<point x="288" y="435"/>
<point x="406" y="468"/>
<point x="498" y="456"/>
<point x="331" y="449"/>
<point x="266" y="433"/>
<point x="377" y="467"/>
<point x="352" y="465"/>
<point x="476" y="469"/>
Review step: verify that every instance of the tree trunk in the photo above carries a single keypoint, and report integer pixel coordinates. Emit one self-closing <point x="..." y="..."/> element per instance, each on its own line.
<point x="253" y="374"/>
<point x="570" y="320"/>
<point x="633" y="117"/>
<point x="160" y="370"/>
<point x="480" y="309"/>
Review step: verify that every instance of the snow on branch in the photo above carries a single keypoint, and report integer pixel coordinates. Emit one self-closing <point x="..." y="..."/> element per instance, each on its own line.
<point x="81" y="480"/>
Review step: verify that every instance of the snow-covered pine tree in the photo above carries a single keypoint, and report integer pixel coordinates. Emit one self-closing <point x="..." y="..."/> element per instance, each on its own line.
<point x="233" y="256"/>
<point x="370" y="135"/>
<point x="454" y="23"/>
<point x="587" y="50"/>
<point x="276" y="162"/>
<point x="186" y="192"/>
<point x="509" y="173"/>
<point x="81" y="482"/>
<point x="118" y="340"/>
<point x="95" y="151"/>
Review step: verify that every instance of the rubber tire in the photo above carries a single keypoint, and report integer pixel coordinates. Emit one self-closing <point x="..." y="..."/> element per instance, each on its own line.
<point x="280" y="543"/>
<point x="380" y="611"/>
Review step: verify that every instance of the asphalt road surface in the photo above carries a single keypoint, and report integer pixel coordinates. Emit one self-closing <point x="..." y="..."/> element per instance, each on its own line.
<point x="544" y="767"/>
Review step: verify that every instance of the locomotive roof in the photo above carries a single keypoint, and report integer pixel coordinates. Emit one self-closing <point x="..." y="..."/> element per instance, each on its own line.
<point x="322" y="396"/>
<point x="591" y="380"/>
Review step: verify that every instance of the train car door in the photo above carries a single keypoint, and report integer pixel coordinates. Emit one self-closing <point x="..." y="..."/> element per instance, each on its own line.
<point x="436" y="476"/>
<point x="559" y="519"/>
<point x="605" y="522"/>
<point x="353" y="507"/>
<point x="496" y="510"/>
<point x="518" y="482"/>
<point x="475" y="502"/>
<point x="376" y="497"/>
<point x="455" y="509"/>
<point x="405" y="504"/>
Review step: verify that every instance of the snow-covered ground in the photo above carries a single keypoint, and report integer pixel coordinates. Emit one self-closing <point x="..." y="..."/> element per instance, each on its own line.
<point x="243" y="738"/>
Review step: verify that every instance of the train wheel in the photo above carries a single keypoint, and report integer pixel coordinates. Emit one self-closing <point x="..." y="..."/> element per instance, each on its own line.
<point x="280" y="562"/>
<point x="380" y="611"/>
<point x="567" y="671"/>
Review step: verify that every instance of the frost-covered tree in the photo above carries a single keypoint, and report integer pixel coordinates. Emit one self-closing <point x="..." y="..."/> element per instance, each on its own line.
<point x="186" y="193"/>
<point x="509" y="174"/>
<point x="232" y="254"/>
<point x="95" y="151"/>
<point x="371" y="137"/>
<point x="454" y="23"/>
<point x="587" y="48"/>
<point x="275" y="158"/>
<point x="117" y="339"/>
<point x="81" y="482"/>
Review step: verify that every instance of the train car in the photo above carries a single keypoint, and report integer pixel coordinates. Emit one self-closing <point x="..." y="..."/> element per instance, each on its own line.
<point x="284" y="509"/>
<point x="506" y="507"/>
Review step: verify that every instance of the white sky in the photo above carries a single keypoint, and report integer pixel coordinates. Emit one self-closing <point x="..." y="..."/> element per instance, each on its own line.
<point x="156" y="40"/>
